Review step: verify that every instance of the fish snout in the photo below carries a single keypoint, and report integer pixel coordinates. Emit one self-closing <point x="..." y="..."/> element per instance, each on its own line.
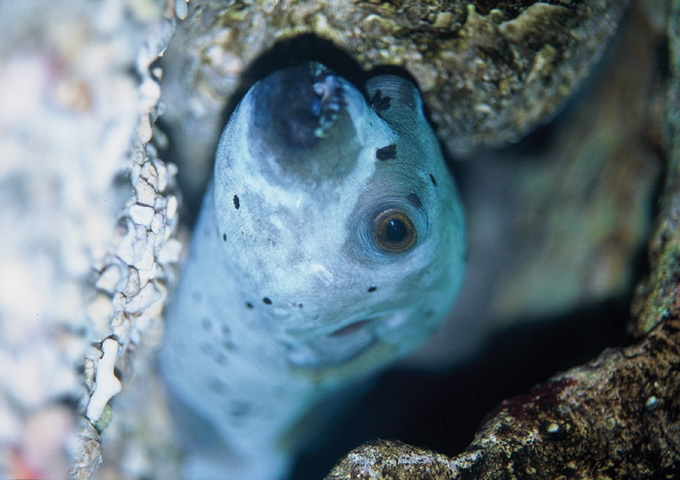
<point x="299" y="120"/>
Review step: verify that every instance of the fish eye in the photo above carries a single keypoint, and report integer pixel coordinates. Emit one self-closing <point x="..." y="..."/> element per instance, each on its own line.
<point x="394" y="231"/>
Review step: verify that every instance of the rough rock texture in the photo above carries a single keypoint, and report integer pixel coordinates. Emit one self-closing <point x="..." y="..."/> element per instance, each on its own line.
<point x="658" y="297"/>
<point x="559" y="221"/>
<point x="87" y="224"/>
<point x="487" y="74"/>
<point x="615" y="417"/>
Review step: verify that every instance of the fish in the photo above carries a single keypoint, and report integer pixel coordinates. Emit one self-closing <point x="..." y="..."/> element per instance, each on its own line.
<point x="330" y="243"/>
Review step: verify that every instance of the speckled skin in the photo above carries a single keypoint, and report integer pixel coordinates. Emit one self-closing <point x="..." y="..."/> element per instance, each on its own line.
<point x="289" y="291"/>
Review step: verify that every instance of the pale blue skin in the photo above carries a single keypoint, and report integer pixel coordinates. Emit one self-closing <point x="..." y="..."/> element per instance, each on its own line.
<point x="255" y="331"/>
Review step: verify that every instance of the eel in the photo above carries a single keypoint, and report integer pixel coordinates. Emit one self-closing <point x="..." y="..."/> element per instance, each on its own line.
<point x="330" y="243"/>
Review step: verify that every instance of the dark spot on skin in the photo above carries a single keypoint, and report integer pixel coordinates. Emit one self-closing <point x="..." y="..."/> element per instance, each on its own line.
<point x="434" y="180"/>
<point x="196" y="296"/>
<point x="414" y="200"/>
<point x="240" y="409"/>
<point x="267" y="301"/>
<point x="372" y="289"/>
<point x="249" y="305"/>
<point x="224" y="237"/>
<point x="228" y="345"/>
<point x="380" y="103"/>
<point x="214" y="354"/>
<point x="206" y="323"/>
<point x="386" y="153"/>
<point x="237" y="203"/>
<point x="217" y="386"/>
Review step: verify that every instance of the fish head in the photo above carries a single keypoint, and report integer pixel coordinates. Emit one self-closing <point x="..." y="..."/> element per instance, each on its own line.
<point x="344" y="226"/>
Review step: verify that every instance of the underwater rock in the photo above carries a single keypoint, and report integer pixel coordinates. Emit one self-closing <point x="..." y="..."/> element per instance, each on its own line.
<point x="87" y="214"/>
<point x="488" y="71"/>
<point x="557" y="222"/>
<point x="614" y="417"/>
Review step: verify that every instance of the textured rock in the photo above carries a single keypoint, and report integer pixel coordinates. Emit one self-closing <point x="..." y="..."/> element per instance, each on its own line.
<point x="487" y="74"/>
<point x="557" y="223"/>
<point x="79" y="101"/>
<point x="615" y="417"/>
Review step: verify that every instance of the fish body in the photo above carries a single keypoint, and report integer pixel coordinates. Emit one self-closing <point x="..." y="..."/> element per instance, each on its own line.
<point x="330" y="242"/>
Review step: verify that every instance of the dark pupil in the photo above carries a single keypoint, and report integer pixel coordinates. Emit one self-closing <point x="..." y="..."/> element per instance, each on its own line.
<point x="395" y="230"/>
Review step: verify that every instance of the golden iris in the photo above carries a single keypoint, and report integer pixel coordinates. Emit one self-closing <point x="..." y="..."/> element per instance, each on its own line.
<point x="393" y="231"/>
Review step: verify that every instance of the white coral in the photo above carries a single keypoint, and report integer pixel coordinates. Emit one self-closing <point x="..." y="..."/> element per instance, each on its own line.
<point x="79" y="102"/>
<point x="106" y="383"/>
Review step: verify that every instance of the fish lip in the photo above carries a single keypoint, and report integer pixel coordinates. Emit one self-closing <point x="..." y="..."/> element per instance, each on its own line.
<point x="338" y="347"/>
<point x="350" y="328"/>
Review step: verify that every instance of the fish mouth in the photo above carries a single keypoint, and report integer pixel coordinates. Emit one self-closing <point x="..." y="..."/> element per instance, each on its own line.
<point x="350" y="329"/>
<point x="338" y="347"/>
